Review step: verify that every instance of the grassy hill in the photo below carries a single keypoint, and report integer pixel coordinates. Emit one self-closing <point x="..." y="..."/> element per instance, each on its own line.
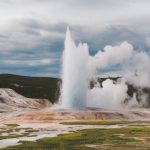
<point x="36" y="87"/>
<point x="32" y="87"/>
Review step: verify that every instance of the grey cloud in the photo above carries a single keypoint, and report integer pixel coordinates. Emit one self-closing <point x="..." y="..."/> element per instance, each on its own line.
<point x="35" y="29"/>
<point x="30" y="34"/>
<point x="6" y="1"/>
<point x="111" y="35"/>
<point x="52" y="49"/>
<point x="37" y="25"/>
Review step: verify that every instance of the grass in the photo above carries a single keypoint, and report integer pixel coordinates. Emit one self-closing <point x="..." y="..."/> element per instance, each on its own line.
<point x="12" y="125"/>
<point x="13" y="131"/>
<point x="101" y="122"/>
<point x="107" y="122"/>
<point x="31" y="130"/>
<point x="93" y="139"/>
<point x="10" y="136"/>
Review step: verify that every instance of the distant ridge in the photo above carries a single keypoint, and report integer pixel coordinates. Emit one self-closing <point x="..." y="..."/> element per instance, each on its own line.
<point x="32" y="87"/>
<point x="49" y="87"/>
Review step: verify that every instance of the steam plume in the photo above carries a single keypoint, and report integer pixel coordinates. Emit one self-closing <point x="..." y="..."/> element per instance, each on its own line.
<point x="79" y="66"/>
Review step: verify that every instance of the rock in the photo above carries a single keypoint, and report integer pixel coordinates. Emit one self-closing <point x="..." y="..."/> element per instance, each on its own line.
<point x="10" y="101"/>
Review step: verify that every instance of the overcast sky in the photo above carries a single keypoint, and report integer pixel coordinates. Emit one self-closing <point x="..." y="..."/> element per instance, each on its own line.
<point x="32" y="31"/>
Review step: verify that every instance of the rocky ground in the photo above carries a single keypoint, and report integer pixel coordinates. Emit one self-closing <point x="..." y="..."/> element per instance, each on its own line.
<point x="25" y="119"/>
<point x="15" y="108"/>
<point x="12" y="101"/>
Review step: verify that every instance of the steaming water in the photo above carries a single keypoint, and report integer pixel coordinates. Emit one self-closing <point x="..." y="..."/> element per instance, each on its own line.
<point x="75" y="73"/>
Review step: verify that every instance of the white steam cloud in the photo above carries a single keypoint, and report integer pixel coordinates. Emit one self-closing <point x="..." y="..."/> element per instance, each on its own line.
<point x="137" y="71"/>
<point x="110" y="96"/>
<point x="112" y="55"/>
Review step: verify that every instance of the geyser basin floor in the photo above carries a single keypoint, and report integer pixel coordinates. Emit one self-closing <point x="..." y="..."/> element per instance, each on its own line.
<point x="11" y="134"/>
<point x="47" y="124"/>
<point x="132" y="135"/>
<point x="48" y="115"/>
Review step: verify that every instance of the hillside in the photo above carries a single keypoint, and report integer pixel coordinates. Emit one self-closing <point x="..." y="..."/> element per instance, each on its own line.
<point x="49" y="88"/>
<point x="32" y="87"/>
<point x="36" y="87"/>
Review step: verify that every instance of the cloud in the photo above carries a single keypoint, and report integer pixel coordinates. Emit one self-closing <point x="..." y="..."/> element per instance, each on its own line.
<point x="30" y="63"/>
<point x="30" y="33"/>
<point x="34" y="27"/>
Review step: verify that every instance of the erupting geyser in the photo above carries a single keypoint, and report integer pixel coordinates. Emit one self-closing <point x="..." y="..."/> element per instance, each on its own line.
<point x="78" y="68"/>
<point x="75" y="73"/>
